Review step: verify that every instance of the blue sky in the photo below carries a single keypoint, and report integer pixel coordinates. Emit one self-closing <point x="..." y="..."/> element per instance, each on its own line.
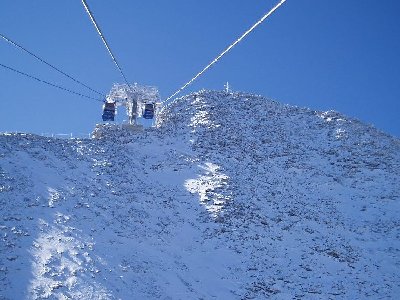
<point x="321" y="54"/>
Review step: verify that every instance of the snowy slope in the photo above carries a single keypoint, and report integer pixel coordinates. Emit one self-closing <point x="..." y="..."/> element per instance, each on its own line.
<point x="232" y="196"/>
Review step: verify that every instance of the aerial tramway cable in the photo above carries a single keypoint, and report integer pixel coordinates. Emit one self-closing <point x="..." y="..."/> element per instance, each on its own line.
<point x="104" y="40"/>
<point x="226" y="50"/>
<point x="48" y="64"/>
<point x="49" y="83"/>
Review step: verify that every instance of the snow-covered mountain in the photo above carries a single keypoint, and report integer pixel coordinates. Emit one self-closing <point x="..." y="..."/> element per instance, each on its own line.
<point x="231" y="196"/>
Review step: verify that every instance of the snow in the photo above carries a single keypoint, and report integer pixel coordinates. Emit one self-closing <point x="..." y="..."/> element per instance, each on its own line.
<point x="231" y="196"/>
<point x="208" y="183"/>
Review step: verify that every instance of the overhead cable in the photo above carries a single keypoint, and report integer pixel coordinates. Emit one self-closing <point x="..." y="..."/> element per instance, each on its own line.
<point x="226" y="50"/>
<point x="104" y="39"/>
<point x="48" y="64"/>
<point x="49" y="83"/>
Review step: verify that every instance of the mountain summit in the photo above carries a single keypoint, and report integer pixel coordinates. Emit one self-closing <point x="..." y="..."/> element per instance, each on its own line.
<point x="230" y="196"/>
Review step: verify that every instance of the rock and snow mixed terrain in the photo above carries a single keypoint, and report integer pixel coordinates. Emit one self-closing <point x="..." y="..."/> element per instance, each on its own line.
<point x="231" y="196"/>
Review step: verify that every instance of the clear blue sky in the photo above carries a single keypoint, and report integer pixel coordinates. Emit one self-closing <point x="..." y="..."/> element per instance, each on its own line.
<point x="321" y="54"/>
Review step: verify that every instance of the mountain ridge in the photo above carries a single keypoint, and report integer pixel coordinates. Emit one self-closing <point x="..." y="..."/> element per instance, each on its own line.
<point x="230" y="196"/>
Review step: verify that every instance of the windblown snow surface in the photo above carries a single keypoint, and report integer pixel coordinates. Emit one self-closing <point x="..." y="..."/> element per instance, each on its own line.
<point x="231" y="196"/>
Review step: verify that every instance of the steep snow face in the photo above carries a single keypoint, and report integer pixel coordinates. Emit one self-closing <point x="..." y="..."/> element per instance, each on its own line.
<point x="232" y="196"/>
<point x="315" y="194"/>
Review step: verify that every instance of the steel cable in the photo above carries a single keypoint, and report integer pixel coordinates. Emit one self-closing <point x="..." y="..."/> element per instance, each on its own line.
<point x="46" y="63"/>
<point x="49" y="83"/>
<point x="103" y="39"/>
<point x="226" y="50"/>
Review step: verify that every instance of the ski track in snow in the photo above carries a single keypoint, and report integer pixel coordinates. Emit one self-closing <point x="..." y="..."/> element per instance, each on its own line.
<point x="232" y="196"/>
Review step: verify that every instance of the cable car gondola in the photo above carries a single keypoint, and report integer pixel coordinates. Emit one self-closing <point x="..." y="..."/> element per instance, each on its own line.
<point x="108" y="111"/>
<point x="148" y="111"/>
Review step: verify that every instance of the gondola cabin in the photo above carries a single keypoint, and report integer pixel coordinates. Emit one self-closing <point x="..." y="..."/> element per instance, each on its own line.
<point x="108" y="111"/>
<point x="148" y="112"/>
